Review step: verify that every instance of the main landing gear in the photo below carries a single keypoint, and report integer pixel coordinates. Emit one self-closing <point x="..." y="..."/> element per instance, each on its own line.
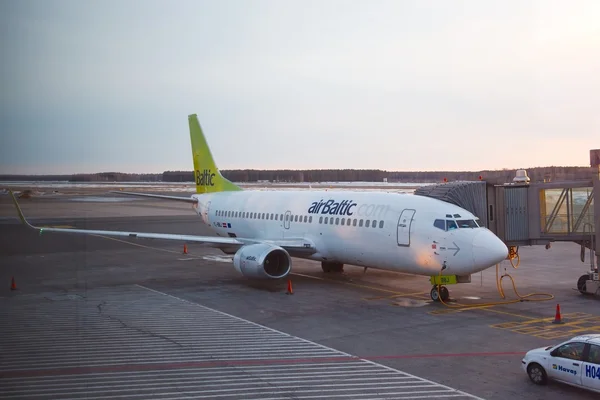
<point x="329" y="266"/>
<point x="443" y="293"/>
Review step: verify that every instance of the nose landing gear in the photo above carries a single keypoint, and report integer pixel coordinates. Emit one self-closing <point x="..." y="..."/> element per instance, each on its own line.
<point x="443" y="293"/>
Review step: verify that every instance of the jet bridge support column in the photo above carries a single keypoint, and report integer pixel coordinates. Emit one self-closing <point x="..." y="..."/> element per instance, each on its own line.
<point x="595" y="164"/>
<point x="590" y="284"/>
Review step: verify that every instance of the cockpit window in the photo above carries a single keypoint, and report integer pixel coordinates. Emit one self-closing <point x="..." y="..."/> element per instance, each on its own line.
<point x="467" y="223"/>
<point x="451" y="224"/>
<point x="440" y="223"/>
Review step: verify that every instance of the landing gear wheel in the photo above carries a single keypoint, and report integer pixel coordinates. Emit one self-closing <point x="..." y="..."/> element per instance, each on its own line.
<point x="332" y="267"/>
<point x="581" y="283"/>
<point x="444" y="293"/>
<point x="537" y="374"/>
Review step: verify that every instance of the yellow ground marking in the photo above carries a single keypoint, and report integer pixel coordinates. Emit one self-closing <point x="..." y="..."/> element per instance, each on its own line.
<point x="573" y="324"/>
<point x="392" y="292"/>
<point x="58" y="226"/>
<point x="508" y="313"/>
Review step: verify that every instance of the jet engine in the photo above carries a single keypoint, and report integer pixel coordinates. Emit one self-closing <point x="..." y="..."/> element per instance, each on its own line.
<point x="263" y="261"/>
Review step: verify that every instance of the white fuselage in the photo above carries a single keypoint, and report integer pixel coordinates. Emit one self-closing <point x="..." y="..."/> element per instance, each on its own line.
<point x="391" y="231"/>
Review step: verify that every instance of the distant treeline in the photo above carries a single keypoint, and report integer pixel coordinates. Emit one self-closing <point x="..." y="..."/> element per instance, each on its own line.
<point x="539" y="174"/>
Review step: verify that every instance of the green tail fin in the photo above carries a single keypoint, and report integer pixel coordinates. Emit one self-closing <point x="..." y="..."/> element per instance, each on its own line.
<point x="207" y="175"/>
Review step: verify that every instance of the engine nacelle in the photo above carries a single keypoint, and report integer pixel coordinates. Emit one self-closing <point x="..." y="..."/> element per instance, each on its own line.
<point x="263" y="261"/>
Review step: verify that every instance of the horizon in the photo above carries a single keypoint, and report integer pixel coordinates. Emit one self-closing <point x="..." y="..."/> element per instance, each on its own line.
<point x="301" y="170"/>
<point x="415" y="85"/>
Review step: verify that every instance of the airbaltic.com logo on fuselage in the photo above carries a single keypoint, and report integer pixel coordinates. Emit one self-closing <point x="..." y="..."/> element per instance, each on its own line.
<point x="348" y="208"/>
<point x="344" y="207"/>
<point x="205" y="178"/>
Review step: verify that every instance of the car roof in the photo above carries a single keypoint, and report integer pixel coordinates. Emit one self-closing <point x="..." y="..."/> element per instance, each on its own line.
<point x="591" y="338"/>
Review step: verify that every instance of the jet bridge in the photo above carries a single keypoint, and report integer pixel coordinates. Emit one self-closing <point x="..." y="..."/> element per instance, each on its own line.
<point x="525" y="214"/>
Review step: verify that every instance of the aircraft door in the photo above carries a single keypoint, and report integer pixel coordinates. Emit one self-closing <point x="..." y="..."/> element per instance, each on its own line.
<point x="404" y="226"/>
<point x="286" y="219"/>
<point x="205" y="213"/>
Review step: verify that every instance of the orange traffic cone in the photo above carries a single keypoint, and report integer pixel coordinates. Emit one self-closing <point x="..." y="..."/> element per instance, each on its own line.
<point x="289" y="288"/>
<point x="558" y="317"/>
<point x="185" y="248"/>
<point x="13" y="286"/>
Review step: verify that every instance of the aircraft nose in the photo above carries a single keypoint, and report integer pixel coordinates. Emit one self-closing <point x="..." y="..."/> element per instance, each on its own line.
<point x="488" y="250"/>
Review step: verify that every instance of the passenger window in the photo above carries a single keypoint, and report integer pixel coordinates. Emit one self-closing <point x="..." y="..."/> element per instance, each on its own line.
<point x="320" y="220"/>
<point x="354" y="222"/>
<point x="572" y="351"/>
<point x="381" y="224"/>
<point x="305" y="218"/>
<point x="276" y="215"/>
<point x="374" y="224"/>
<point x="337" y="221"/>
<point x="286" y="217"/>
<point x="440" y="223"/>
<point x="594" y="356"/>
<point x="367" y="223"/>
<point x="342" y="221"/>
<point x="325" y="220"/>
<point x="310" y="219"/>
<point x="282" y="217"/>
<point x="360" y="222"/>
<point x="451" y="224"/>
<point x="295" y="218"/>
<point x="271" y="216"/>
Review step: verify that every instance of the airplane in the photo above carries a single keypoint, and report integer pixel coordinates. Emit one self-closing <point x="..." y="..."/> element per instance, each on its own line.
<point x="379" y="230"/>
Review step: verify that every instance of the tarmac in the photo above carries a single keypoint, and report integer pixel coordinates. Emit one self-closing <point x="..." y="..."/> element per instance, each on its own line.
<point x="105" y="318"/>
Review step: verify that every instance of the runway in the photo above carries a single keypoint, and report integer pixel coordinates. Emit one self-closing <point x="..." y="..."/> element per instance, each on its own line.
<point x="109" y="319"/>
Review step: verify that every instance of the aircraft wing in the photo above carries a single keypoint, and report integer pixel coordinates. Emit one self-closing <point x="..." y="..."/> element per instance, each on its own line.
<point x="159" y="196"/>
<point x="295" y="246"/>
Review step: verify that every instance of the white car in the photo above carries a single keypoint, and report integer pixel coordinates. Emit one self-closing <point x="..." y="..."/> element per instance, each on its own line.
<point x="575" y="362"/>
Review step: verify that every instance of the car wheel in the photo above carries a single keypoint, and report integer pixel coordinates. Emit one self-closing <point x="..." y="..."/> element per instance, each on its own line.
<point x="537" y="374"/>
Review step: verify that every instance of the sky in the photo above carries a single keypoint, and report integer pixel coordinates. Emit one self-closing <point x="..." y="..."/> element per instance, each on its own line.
<point x="91" y="86"/>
